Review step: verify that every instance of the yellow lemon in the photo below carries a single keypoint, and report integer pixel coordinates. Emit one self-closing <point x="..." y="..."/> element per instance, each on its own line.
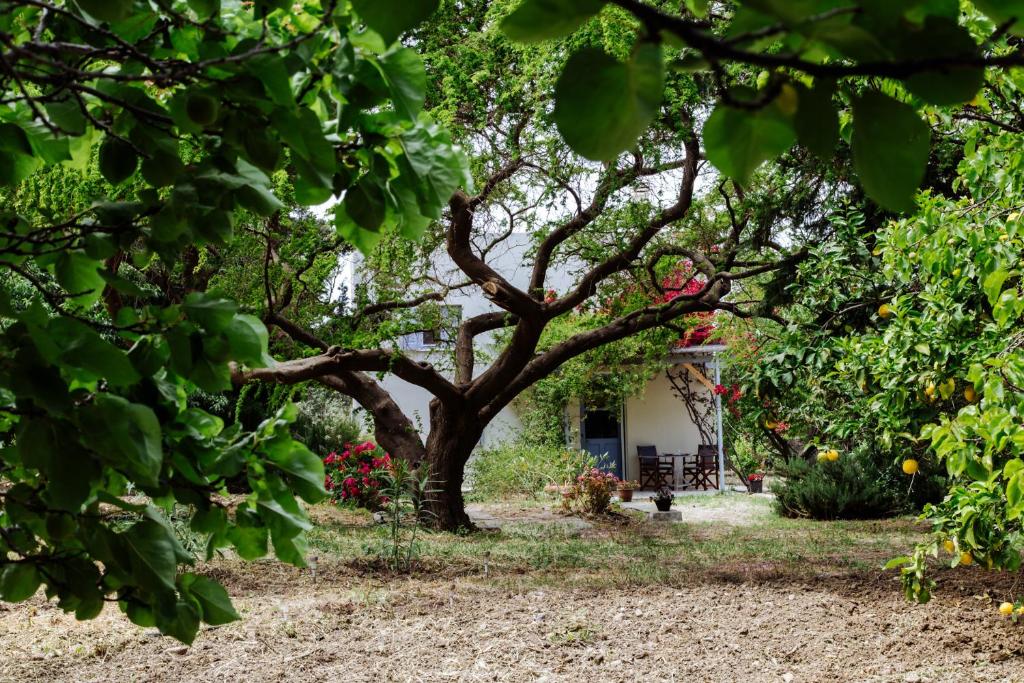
<point x="965" y="558"/>
<point x="949" y="546"/>
<point x="970" y="394"/>
<point x="832" y="455"/>
<point x="910" y="466"/>
<point x="929" y="391"/>
<point x="956" y="272"/>
<point x="1006" y="609"/>
<point x="884" y="312"/>
<point x="1019" y="611"/>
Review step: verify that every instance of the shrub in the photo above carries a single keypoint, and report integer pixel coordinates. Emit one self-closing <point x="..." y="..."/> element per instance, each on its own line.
<point x="591" y="492"/>
<point x="520" y="469"/>
<point x="847" y="488"/>
<point x="357" y="475"/>
<point x="405" y="493"/>
<point x="325" y="422"/>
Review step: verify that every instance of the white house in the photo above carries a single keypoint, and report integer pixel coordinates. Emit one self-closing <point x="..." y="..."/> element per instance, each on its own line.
<point x="657" y="417"/>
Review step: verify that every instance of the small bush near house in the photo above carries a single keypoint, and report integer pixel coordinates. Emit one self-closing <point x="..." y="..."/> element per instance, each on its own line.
<point x="590" y="493"/>
<point x="847" y="488"/>
<point x="520" y="469"/>
<point x="357" y="475"/>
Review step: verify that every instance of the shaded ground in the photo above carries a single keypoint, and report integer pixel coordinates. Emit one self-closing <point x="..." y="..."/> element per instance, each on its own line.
<point x="763" y="600"/>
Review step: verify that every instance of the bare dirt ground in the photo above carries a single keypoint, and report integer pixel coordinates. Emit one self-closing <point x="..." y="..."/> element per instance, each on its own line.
<point x="746" y="619"/>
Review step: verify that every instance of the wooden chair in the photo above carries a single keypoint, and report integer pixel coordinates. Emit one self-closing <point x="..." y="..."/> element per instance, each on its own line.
<point x="706" y="467"/>
<point x="654" y="472"/>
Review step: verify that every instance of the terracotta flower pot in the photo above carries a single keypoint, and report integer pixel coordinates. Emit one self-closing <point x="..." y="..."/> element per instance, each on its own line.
<point x="625" y="495"/>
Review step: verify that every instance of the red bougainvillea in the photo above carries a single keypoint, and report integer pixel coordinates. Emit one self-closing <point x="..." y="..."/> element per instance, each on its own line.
<point x="682" y="281"/>
<point x="355" y="475"/>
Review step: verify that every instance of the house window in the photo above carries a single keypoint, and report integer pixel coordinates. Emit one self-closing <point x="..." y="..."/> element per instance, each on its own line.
<point x="444" y="333"/>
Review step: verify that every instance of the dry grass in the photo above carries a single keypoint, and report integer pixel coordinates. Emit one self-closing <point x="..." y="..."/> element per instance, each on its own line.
<point x="703" y="601"/>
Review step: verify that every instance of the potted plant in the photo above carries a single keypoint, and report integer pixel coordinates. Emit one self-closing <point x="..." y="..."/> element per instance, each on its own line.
<point x="755" y="482"/>
<point x="626" y="489"/>
<point x="663" y="501"/>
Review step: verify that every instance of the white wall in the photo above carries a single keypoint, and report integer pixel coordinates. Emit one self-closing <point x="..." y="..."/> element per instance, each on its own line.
<point x="657" y="417"/>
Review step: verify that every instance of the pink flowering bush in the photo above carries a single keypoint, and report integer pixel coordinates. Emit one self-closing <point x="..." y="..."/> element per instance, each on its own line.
<point x="356" y="475"/>
<point x="591" y="493"/>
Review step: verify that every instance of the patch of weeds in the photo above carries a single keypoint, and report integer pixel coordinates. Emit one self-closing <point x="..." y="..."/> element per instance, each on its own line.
<point x="573" y="635"/>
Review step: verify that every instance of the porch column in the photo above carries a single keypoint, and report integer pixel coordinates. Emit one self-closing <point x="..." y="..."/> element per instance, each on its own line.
<point x="718" y="425"/>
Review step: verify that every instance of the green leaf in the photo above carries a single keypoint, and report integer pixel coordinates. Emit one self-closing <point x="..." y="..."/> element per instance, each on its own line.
<point x="537" y="20"/>
<point x="67" y="115"/>
<point x="212" y="598"/>
<point x="407" y="79"/>
<point x="364" y="204"/>
<point x="213" y="313"/>
<point x="204" y="8"/>
<point x="897" y="562"/>
<point x="151" y="555"/>
<point x="993" y="285"/>
<point x="737" y="141"/>
<point x="79" y="275"/>
<point x="249" y="339"/>
<point x="182" y="623"/>
<point x="890" y="150"/>
<point x="363" y="240"/>
<point x="249" y="541"/>
<point x="1002" y="11"/>
<point x="14" y="139"/>
<point x="816" y="119"/>
<point x="432" y="169"/>
<point x="603" y="105"/>
<point x="19" y="582"/>
<point x="942" y="38"/>
<point x="106" y="10"/>
<point x="392" y="18"/>
<point x="270" y="69"/>
<point x="126" y="435"/>
<point x="118" y="160"/>
<point x="305" y="468"/>
<point x="82" y="347"/>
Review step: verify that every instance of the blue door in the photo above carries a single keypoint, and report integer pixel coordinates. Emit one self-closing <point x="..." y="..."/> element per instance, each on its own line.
<point x="601" y="434"/>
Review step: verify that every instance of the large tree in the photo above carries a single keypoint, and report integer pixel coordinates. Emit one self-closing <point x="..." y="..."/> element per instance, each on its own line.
<point x="638" y="209"/>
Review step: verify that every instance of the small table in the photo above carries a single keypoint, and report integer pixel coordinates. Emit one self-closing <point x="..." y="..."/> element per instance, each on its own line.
<point x="679" y="467"/>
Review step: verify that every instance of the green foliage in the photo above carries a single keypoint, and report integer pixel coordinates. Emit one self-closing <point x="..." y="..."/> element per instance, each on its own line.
<point x="848" y="488"/>
<point x="602" y="105"/>
<point x="522" y="468"/>
<point x="407" y="492"/>
<point x="889" y="177"/>
<point x="325" y="422"/>
<point x="923" y="52"/>
<point x="129" y="157"/>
